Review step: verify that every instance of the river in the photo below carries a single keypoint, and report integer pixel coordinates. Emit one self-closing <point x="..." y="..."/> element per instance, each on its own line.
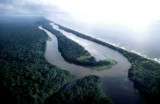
<point x="143" y="41"/>
<point x="115" y="79"/>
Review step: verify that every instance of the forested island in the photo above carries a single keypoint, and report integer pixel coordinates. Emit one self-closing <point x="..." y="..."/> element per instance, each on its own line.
<point x="27" y="78"/>
<point x="145" y="73"/>
<point x="75" y="53"/>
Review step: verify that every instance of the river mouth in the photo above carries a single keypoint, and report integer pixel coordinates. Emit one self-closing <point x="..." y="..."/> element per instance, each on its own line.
<point x="115" y="80"/>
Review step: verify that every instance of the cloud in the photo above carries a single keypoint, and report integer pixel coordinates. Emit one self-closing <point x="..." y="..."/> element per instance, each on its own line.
<point x="36" y="7"/>
<point x="6" y="1"/>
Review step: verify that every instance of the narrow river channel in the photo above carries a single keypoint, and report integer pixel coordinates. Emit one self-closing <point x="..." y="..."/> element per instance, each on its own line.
<point x="115" y="79"/>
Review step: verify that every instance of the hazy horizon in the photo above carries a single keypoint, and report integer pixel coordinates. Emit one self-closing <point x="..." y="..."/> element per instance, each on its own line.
<point x="80" y="51"/>
<point x="130" y="23"/>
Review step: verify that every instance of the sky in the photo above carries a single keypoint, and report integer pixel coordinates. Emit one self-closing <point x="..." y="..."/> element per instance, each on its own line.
<point x="136" y="14"/>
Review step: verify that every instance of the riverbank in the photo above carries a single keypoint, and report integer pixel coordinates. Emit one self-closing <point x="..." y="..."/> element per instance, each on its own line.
<point x="144" y="73"/>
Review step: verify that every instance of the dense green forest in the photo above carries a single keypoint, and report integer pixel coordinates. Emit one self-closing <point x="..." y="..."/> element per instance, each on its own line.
<point x="145" y="73"/>
<point x="77" y="93"/>
<point x="75" y="53"/>
<point x="25" y="76"/>
<point x="24" y="73"/>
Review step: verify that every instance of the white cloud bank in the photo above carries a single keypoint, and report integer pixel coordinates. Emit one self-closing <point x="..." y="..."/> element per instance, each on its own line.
<point x="136" y="14"/>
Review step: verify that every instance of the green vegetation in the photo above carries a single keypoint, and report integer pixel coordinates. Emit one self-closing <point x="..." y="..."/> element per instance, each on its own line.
<point x="75" y="53"/>
<point x="81" y="91"/>
<point x="26" y="77"/>
<point x="144" y="73"/>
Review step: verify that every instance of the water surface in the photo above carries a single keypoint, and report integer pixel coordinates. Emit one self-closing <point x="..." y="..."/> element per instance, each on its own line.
<point x="115" y="79"/>
<point x="144" y="41"/>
